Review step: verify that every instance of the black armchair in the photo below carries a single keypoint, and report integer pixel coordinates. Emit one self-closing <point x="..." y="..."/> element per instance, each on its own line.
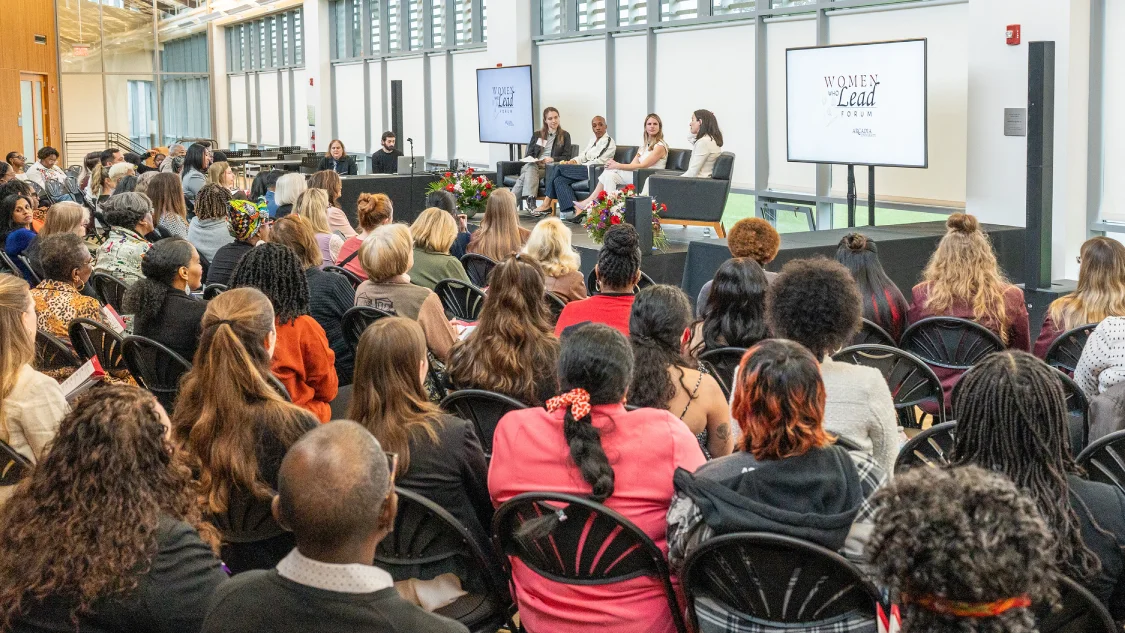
<point x="507" y="171"/>
<point x="677" y="163"/>
<point x="696" y="201"/>
<point x="624" y="154"/>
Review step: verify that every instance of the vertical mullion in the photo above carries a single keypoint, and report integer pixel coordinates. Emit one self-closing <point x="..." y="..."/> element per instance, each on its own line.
<point x="427" y="26"/>
<point x="825" y="211"/>
<point x="536" y="17"/>
<point x="475" y="15"/>
<point x="449" y="33"/>
<point x="569" y="17"/>
<point x="384" y="27"/>
<point x="365" y="28"/>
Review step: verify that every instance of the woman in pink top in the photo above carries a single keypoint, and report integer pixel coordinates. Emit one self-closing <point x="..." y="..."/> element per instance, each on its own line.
<point x="624" y="459"/>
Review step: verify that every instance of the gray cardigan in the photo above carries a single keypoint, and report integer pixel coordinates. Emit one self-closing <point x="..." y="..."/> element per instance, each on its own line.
<point x="193" y="181"/>
<point x="209" y="236"/>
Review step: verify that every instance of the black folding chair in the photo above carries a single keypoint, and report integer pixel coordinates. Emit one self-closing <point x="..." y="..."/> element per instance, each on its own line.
<point x="357" y="319"/>
<point x="33" y="277"/>
<point x="775" y="578"/>
<point x="427" y="537"/>
<point x="110" y="289"/>
<point x="1078" y="412"/>
<point x="1063" y="354"/>
<point x="484" y="409"/>
<point x="461" y="300"/>
<point x="1104" y="460"/>
<point x="871" y="334"/>
<point x="53" y="354"/>
<point x="8" y="267"/>
<point x="950" y="342"/>
<point x="911" y="381"/>
<point x="555" y="303"/>
<point x="91" y="338"/>
<point x="352" y="278"/>
<point x="156" y="367"/>
<point x="213" y="290"/>
<point x="592" y="283"/>
<point x="591" y="545"/>
<point x="721" y="363"/>
<point x="931" y="447"/>
<point x="1079" y="611"/>
<point x="13" y="466"/>
<point x="477" y="267"/>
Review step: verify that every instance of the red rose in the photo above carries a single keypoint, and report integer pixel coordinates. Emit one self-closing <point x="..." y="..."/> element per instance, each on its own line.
<point x="663" y="208"/>
<point x="630" y="187"/>
<point x="602" y="195"/>
<point x="484" y="194"/>
<point x="615" y="219"/>
<point x="447" y="175"/>
<point x="487" y="185"/>
<point x="469" y="170"/>
<point x="449" y="188"/>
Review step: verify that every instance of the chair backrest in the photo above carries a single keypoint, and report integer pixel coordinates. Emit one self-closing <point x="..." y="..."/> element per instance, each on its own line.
<point x="1064" y="353"/>
<point x="678" y="159"/>
<point x="930" y="447"/>
<point x="1079" y="611"/>
<point x="110" y="289"/>
<point x="483" y="408"/>
<point x="91" y="338"/>
<point x="8" y="267"/>
<point x="461" y="300"/>
<point x="625" y="153"/>
<point x="776" y="578"/>
<point x="13" y="466"/>
<point x="156" y="367"/>
<point x="477" y="267"/>
<point x="724" y="167"/>
<point x="357" y="319"/>
<point x="1104" y="460"/>
<point x="910" y="380"/>
<point x="1078" y="412"/>
<point x="950" y="342"/>
<point x="871" y="334"/>
<point x="721" y="363"/>
<point x="352" y="278"/>
<point x="555" y="303"/>
<point x="213" y="290"/>
<point x="592" y="282"/>
<point x="590" y="544"/>
<point x="52" y="354"/>
<point x="34" y="277"/>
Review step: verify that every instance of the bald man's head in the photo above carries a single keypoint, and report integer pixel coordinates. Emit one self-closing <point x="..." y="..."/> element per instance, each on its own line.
<point x="333" y="484"/>
<point x="598" y="126"/>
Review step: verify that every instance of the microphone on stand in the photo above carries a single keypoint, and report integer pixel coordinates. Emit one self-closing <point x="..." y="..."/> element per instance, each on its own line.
<point x="411" y="141"/>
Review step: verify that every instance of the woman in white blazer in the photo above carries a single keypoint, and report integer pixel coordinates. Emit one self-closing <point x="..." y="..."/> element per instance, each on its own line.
<point x="653" y="155"/>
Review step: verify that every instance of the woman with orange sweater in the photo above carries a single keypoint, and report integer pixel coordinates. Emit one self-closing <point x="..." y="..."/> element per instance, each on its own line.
<point x="302" y="360"/>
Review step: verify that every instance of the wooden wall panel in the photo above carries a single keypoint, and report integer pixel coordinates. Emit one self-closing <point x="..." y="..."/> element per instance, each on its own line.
<point x="20" y="22"/>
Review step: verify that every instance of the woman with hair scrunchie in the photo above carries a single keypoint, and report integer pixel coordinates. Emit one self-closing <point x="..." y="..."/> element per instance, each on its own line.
<point x="585" y="443"/>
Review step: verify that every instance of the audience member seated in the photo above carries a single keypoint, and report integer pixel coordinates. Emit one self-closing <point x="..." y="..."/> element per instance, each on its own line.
<point x="749" y="237"/>
<point x="706" y="144"/>
<point x="550" y="143"/>
<point x="220" y="173"/>
<point x="270" y="194"/>
<point x="235" y="428"/>
<point x="196" y="162"/>
<point x="512" y="349"/>
<point x="816" y="303"/>
<point x="1011" y="418"/>
<point x="446" y="201"/>
<point x="62" y="217"/>
<point x="161" y="304"/>
<point x="618" y="271"/>
<point x="249" y="226"/>
<point x="788" y="477"/>
<point x="289" y="188"/>
<point x="566" y="448"/>
<point x="144" y="180"/>
<point x="46" y="168"/>
<point x="31" y="404"/>
<point x="439" y="455"/>
<point x="17" y="162"/>
<point x="550" y="245"/>
<point x="125" y="184"/>
<point x="7" y="174"/>
<point x="106" y="534"/>
<point x="16" y="234"/>
<point x="174" y="151"/>
<point x="168" y="208"/>
<point x="883" y="303"/>
<point x="500" y="233"/>
<point x="130" y="218"/>
<point x="735" y="312"/>
<point x="209" y="229"/>
<point x="386" y="257"/>
<point x="333" y="185"/>
<point x="372" y="211"/>
<point x="1100" y="292"/>
<point x="963" y="550"/>
<point x="312" y="205"/>
<point x="1102" y="364"/>
<point x="330" y="296"/>
<point x="303" y="361"/>
<point x="338" y="160"/>
<point x="328" y="581"/>
<point x="653" y="154"/>
<point x="598" y="151"/>
<point x="58" y="298"/>
<point x="664" y="379"/>
<point x="434" y="232"/>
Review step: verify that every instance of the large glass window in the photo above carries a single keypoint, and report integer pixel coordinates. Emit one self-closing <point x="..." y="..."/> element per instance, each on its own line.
<point x="394" y="10"/>
<point x="275" y="41"/>
<point x="591" y="14"/>
<point x="417" y="17"/>
<point x="728" y="7"/>
<point x="437" y="24"/>
<point x="462" y="22"/>
<point x="678" y="9"/>
<point x="631" y="12"/>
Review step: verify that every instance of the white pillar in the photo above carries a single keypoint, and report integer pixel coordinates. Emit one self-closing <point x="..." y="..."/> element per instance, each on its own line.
<point x="509" y="43"/>
<point x="318" y="65"/>
<point x="220" y="94"/>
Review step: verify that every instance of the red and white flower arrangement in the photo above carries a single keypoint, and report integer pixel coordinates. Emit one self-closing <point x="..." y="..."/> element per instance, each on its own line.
<point x="609" y="210"/>
<point x="471" y="191"/>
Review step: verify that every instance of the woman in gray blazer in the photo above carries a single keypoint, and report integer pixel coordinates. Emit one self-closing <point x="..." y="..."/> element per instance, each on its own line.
<point x="549" y="144"/>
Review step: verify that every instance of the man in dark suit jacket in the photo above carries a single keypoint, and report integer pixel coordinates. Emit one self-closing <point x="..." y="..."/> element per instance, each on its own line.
<point x="385" y="160"/>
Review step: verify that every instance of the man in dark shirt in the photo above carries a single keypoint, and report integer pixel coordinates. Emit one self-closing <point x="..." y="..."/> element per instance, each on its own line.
<point x="336" y="493"/>
<point x="385" y="160"/>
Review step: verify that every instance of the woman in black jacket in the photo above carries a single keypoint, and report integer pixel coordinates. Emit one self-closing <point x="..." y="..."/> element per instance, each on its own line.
<point x="338" y="160"/>
<point x="548" y="145"/>
<point x="160" y="304"/>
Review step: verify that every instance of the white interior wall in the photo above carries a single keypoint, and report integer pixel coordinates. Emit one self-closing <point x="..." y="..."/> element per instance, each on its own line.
<point x="440" y="141"/>
<point x="626" y="124"/>
<point x="1113" y="126"/>
<point x="300" y="107"/>
<point x="375" y="115"/>
<point x="785" y="176"/>
<point x="271" y="117"/>
<point x="467" y="145"/>
<point x="350" y="114"/>
<point x="83" y="106"/>
<point x="237" y="90"/>
<point x="409" y="70"/>
<point x="577" y="101"/>
<point x="252" y="97"/>
<point x="286" y="110"/>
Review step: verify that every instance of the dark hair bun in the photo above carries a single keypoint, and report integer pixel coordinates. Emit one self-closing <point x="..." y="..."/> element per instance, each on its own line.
<point x="962" y="223"/>
<point x="855" y="241"/>
<point x="621" y="240"/>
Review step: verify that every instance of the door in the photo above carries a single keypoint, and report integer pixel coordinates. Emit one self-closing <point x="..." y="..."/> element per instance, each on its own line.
<point x="33" y="113"/>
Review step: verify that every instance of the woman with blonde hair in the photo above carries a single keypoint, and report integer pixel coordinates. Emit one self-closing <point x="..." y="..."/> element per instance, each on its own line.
<point x="1100" y="292"/>
<point x="221" y="174"/>
<point x="386" y="257"/>
<point x="550" y="245"/>
<point x="434" y="232"/>
<point x="372" y="210"/>
<point x="235" y="428"/>
<point x="312" y="205"/>
<point x="500" y="233"/>
<point x="168" y="208"/>
<point x="62" y="217"/>
<point x="653" y="155"/>
<point x="330" y="181"/>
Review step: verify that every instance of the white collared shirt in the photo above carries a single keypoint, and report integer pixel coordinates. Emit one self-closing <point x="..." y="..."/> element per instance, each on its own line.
<point x="350" y="578"/>
<point x="598" y="151"/>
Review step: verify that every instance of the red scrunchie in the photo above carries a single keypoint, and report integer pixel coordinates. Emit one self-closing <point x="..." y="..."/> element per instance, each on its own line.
<point x="577" y="399"/>
<point x="964" y="609"/>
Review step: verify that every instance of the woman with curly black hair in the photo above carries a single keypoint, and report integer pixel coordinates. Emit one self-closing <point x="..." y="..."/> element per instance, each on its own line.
<point x="160" y="304"/>
<point x="664" y="379"/>
<point x="1011" y="418"/>
<point x="883" y="303"/>
<point x="303" y="361"/>
<point x="962" y="551"/>
<point x="618" y="271"/>
<point x="735" y="312"/>
<point x="106" y="534"/>
<point x="816" y="303"/>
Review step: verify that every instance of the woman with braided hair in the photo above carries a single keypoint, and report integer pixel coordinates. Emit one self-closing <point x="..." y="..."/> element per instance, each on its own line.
<point x="585" y="443"/>
<point x="249" y="226"/>
<point x="209" y="230"/>
<point x="618" y="270"/>
<point x="303" y="361"/>
<point x="1011" y="417"/>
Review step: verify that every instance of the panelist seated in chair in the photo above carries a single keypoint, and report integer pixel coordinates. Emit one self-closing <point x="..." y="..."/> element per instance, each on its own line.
<point x="598" y="151"/>
<point x="653" y="155"/>
<point x="549" y="144"/>
<point x="706" y="145"/>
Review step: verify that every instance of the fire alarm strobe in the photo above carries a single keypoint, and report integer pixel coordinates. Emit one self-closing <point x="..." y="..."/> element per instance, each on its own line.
<point x="1013" y="34"/>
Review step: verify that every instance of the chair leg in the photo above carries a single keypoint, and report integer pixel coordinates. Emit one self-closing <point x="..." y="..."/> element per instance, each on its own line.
<point x="719" y="230"/>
